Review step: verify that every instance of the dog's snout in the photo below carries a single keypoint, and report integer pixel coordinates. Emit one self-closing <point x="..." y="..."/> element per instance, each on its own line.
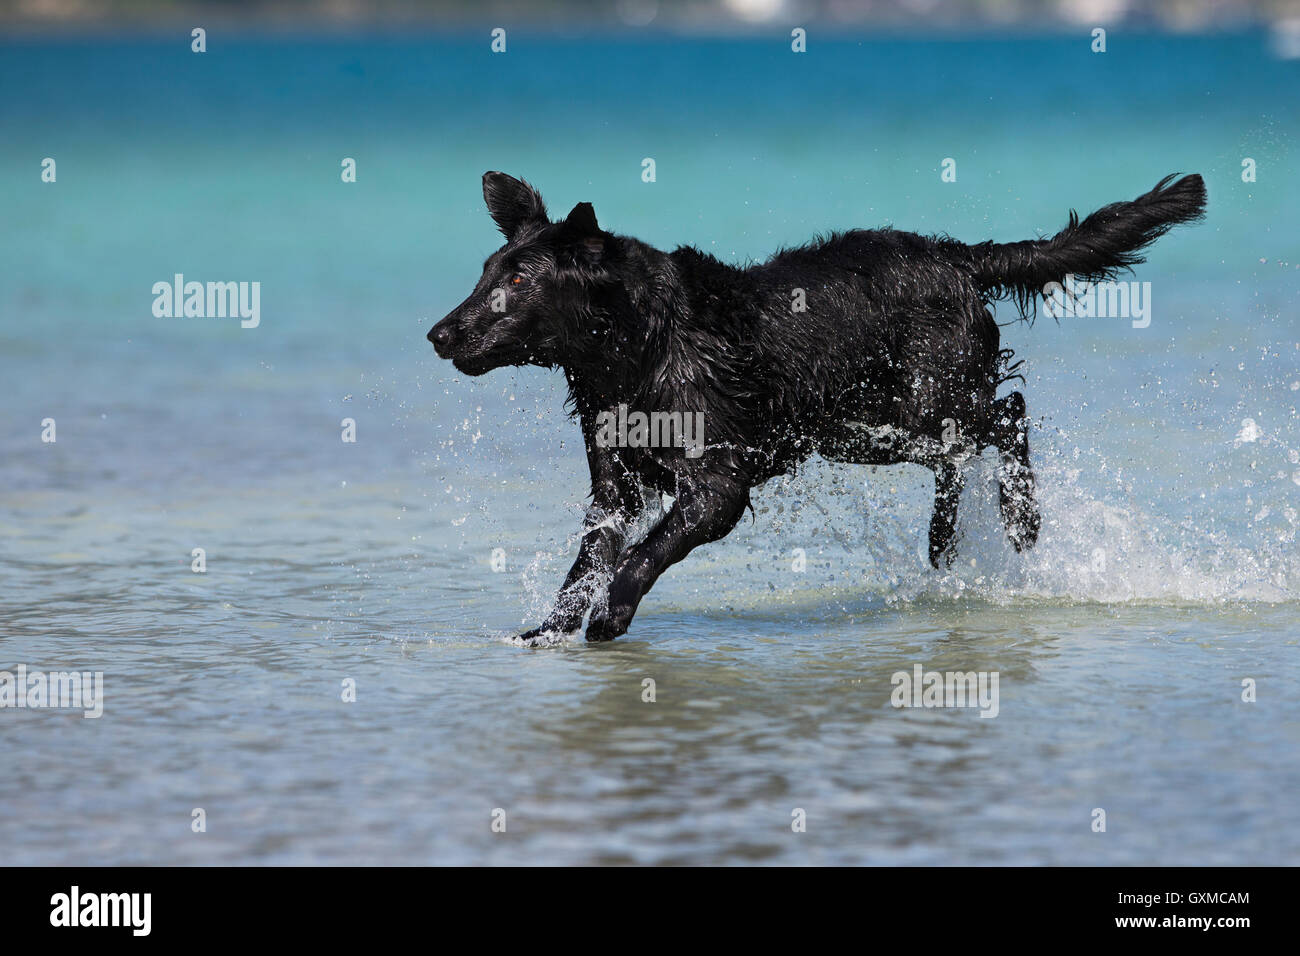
<point x="441" y="336"/>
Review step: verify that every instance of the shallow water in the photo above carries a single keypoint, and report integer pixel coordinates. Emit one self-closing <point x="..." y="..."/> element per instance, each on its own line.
<point x="1165" y="575"/>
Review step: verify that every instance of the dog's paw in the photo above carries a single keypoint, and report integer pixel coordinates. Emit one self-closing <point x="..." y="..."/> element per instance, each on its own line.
<point x="942" y="559"/>
<point x="611" y="622"/>
<point x="1024" y="535"/>
<point x="600" y="629"/>
<point x="1020" y="514"/>
<point x="541" y="637"/>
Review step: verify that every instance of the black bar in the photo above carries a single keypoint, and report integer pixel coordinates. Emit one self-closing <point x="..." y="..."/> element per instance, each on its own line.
<point x="338" y="905"/>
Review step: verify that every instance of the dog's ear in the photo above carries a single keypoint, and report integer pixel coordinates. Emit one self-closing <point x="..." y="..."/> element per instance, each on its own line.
<point x="582" y="220"/>
<point x="511" y="202"/>
<point x="581" y="227"/>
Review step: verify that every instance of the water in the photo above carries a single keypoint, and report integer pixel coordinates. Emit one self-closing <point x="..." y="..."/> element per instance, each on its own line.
<point x="1165" y="576"/>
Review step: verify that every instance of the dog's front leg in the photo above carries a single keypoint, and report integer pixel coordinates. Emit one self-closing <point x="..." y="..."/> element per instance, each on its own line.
<point x="616" y="500"/>
<point x="602" y="540"/>
<point x="696" y="518"/>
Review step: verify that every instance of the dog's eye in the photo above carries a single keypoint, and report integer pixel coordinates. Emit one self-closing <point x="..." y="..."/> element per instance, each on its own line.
<point x="517" y="279"/>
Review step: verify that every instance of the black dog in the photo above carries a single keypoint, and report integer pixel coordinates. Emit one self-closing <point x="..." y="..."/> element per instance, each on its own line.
<point x="874" y="347"/>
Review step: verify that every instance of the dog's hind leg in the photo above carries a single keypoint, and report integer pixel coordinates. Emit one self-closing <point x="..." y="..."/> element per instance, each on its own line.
<point x="1009" y="432"/>
<point x="697" y="517"/>
<point x="943" y="523"/>
<point x="894" y="448"/>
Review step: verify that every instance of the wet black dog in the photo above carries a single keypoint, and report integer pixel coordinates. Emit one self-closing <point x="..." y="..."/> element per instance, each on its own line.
<point x="874" y="347"/>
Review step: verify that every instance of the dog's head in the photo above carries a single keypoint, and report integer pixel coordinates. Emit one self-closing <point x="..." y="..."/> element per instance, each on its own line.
<point x="536" y="291"/>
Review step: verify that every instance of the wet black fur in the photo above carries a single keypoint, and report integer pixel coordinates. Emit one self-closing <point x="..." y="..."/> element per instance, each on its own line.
<point x="895" y="359"/>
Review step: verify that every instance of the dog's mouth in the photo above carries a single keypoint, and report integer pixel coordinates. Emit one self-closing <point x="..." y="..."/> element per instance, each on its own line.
<point x="480" y="363"/>
<point x="475" y="365"/>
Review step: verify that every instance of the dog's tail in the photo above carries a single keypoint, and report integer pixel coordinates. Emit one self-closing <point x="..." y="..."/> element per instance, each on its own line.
<point x="1097" y="249"/>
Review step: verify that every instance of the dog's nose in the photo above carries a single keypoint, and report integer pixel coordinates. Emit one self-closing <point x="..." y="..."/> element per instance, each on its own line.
<point x="440" y="336"/>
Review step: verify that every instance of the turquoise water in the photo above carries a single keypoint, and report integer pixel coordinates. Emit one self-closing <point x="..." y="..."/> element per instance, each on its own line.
<point x="1165" y="576"/>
